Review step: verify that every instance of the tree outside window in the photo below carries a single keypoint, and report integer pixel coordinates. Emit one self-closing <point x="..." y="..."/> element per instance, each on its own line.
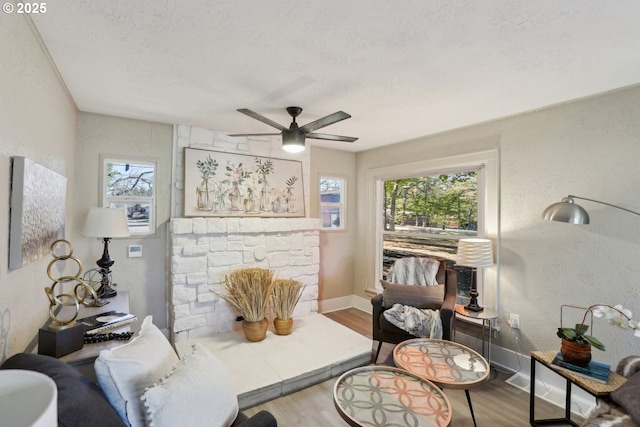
<point x="426" y="215"/>
<point x="130" y="185"/>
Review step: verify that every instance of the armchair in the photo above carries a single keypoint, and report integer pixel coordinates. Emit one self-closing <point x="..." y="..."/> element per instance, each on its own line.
<point x="384" y="331"/>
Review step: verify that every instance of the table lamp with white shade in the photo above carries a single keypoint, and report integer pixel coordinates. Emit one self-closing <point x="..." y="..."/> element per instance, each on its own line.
<point x="106" y="223"/>
<point x="474" y="253"/>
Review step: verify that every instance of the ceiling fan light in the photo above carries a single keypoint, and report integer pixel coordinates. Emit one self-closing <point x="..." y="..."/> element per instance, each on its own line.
<point x="293" y="141"/>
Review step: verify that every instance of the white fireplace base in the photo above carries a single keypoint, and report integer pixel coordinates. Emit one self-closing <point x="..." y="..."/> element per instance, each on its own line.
<point x="317" y="349"/>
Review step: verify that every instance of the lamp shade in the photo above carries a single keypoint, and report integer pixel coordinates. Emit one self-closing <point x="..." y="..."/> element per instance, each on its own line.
<point x="29" y="398"/>
<point x="566" y="211"/>
<point x="106" y="222"/>
<point x="475" y="253"/>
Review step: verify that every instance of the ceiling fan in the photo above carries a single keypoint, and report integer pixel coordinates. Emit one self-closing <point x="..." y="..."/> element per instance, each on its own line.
<point x="293" y="138"/>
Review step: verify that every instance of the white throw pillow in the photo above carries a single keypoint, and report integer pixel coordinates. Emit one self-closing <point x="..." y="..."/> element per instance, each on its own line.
<point x="197" y="392"/>
<point x="125" y="371"/>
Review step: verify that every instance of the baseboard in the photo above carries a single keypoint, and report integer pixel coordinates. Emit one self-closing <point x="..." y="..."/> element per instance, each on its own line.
<point x="351" y="301"/>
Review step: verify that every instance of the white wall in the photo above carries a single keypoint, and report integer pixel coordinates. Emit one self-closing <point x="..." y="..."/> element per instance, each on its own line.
<point x="588" y="147"/>
<point x="337" y="248"/>
<point x="37" y="121"/>
<point x="144" y="278"/>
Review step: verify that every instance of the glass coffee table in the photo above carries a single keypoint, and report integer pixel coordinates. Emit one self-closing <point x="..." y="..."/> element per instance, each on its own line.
<point x="445" y="363"/>
<point x="377" y="396"/>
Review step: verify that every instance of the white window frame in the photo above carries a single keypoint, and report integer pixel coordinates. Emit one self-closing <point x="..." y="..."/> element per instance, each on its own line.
<point x="486" y="165"/>
<point x="106" y="201"/>
<point x="341" y="206"/>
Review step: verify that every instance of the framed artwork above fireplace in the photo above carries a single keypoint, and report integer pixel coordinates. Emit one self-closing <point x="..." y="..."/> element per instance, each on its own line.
<point x="227" y="184"/>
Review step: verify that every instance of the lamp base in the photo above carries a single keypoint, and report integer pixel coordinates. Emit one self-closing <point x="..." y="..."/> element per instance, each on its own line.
<point x="473" y="307"/>
<point x="473" y="294"/>
<point x="108" y="293"/>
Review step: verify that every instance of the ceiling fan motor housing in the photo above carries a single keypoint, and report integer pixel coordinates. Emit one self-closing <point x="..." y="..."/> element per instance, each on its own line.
<point x="293" y="140"/>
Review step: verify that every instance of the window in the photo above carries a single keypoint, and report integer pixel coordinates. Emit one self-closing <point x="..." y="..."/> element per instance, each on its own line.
<point x="485" y="165"/>
<point x="425" y="215"/>
<point x="130" y="184"/>
<point x="332" y="203"/>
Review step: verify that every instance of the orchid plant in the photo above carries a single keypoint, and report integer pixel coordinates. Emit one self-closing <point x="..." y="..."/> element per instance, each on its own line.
<point x="615" y="315"/>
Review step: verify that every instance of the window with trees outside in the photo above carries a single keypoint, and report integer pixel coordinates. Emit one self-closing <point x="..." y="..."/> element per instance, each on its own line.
<point x="425" y="215"/>
<point x="130" y="185"/>
<point x="332" y="202"/>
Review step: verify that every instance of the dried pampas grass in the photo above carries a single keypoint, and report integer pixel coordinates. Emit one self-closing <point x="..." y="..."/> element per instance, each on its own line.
<point x="286" y="294"/>
<point x="248" y="290"/>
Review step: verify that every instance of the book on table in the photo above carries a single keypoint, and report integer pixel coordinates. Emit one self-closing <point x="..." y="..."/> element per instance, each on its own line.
<point x="105" y="321"/>
<point x="596" y="371"/>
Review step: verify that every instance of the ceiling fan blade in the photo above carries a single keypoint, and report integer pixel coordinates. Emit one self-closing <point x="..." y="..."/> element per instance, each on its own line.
<point x="331" y="137"/>
<point x="325" y="121"/>
<point x="253" y="134"/>
<point x="261" y="118"/>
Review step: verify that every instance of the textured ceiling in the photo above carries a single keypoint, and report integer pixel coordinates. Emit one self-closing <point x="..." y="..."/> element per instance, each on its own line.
<point x="402" y="69"/>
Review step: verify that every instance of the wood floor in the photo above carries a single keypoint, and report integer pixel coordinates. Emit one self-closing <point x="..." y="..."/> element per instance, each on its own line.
<point x="495" y="403"/>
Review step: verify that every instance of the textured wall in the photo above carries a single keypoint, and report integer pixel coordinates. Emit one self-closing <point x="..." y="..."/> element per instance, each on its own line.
<point x="145" y="278"/>
<point x="587" y="147"/>
<point x="37" y="121"/>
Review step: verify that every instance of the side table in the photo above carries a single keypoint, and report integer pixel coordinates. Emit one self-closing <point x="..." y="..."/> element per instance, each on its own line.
<point x="595" y="388"/>
<point x="381" y="395"/>
<point x="448" y="364"/>
<point x="487" y="316"/>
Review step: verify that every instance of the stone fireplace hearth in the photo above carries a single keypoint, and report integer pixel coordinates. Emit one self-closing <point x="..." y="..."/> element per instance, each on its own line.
<point x="203" y="250"/>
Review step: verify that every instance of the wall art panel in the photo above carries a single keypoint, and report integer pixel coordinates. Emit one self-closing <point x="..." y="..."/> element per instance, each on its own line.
<point x="37" y="208"/>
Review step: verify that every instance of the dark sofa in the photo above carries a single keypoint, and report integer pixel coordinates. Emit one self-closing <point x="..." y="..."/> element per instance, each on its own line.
<point x="622" y="407"/>
<point x="81" y="403"/>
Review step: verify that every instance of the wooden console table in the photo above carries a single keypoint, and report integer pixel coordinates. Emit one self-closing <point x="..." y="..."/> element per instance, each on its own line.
<point x="83" y="359"/>
<point x="592" y="387"/>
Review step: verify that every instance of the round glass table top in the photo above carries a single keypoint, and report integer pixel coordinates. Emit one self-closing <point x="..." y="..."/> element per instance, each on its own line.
<point x="379" y="396"/>
<point x="446" y="363"/>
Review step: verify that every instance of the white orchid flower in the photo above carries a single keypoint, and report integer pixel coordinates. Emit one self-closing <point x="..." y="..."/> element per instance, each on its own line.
<point x="635" y="326"/>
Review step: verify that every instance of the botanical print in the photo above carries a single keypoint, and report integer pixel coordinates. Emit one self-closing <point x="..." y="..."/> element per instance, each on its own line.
<point x="37" y="211"/>
<point x="225" y="184"/>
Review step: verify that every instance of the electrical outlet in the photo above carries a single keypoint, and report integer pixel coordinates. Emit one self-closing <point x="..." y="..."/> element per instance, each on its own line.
<point x="514" y="321"/>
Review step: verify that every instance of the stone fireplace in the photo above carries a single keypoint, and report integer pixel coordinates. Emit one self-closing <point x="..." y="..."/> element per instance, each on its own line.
<point x="203" y="250"/>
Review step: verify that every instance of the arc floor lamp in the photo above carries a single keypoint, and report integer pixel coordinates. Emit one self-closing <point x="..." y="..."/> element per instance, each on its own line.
<point x="569" y="211"/>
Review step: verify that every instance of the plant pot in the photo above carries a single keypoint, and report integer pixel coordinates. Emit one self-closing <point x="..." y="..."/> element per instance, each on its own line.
<point x="255" y="331"/>
<point x="578" y="354"/>
<point x="283" y="327"/>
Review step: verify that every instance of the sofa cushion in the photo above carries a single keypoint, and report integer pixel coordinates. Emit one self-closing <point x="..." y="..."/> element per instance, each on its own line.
<point x="628" y="397"/>
<point x="607" y="413"/>
<point x="125" y="371"/>
<point x="412" y="295"/>
<point x="80" y="401"/>
<point x="198" y="389"/>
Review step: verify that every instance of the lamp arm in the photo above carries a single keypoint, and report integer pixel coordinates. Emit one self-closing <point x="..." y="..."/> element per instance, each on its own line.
<point x="604" y="203"/>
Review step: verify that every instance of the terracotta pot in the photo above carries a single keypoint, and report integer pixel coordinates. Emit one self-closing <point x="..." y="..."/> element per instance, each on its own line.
<point x="578" y="354"/>
<point x="255" y="331"/>
<point x="283" y="327"/>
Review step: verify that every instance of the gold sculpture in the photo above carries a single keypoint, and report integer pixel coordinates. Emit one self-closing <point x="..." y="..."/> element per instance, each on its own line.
<point x="82" y="293"/>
